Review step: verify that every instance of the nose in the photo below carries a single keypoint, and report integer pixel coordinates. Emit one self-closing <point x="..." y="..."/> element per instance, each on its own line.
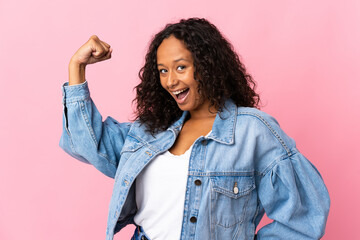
<point x="172" y="80"/>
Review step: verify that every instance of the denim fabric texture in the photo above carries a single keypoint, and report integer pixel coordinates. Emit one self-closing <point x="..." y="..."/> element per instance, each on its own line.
<point x="139" y="234"/>
<point x="247" y="166"/>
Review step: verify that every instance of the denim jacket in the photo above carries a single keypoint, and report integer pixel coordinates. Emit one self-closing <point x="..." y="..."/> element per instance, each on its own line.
<point x="246" y="167"/>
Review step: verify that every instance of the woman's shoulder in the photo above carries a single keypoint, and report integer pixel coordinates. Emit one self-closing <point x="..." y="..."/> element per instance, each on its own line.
<point x="247" y="114"/>
<point x="256" y="115"/>
<point x="258" y="122"/>
<point x="253" y="112"/>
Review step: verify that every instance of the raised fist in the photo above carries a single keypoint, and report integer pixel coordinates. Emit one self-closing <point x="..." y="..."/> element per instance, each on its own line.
<point x="94" y="50"/>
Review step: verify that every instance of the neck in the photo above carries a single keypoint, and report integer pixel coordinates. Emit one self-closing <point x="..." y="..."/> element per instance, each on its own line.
<point x="203" y="112"/>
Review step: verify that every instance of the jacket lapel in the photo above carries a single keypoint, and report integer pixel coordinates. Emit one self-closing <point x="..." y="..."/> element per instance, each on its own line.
<point x="223" y="129"/>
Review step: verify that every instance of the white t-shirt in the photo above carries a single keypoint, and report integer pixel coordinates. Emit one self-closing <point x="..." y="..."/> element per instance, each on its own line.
<point x="160" y="195"/>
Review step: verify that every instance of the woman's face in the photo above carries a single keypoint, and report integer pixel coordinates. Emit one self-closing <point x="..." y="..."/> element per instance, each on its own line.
<point x="176" y="69"/>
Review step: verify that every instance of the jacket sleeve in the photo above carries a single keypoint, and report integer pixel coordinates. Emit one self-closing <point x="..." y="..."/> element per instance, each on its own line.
<point x="85" y="136"/>
<point x="294" y="195"/>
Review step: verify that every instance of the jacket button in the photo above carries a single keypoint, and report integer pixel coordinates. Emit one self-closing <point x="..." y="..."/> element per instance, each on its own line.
<point x="197" y="182"/>
<point x="193" y="219"/>
<point x="204" y="142"/>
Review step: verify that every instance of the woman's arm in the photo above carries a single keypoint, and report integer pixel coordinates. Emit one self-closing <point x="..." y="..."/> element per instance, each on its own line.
<point x="93" y="51"/>
<point x="85" y="136"/>
<point x="294" y="195"/>
<point x="290" y="189"/>
<point x="76" y="73"/>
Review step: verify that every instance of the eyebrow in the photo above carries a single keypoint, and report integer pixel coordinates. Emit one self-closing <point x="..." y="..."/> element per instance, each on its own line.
<point x="177" y="60"/>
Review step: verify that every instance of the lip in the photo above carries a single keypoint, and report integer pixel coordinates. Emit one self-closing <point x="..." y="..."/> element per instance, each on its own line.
<point x="181" y="101"/>
<point x="178" y="90"/>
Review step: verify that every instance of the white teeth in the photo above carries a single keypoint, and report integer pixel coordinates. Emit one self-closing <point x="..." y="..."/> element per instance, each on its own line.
<point x="180" y="91"/>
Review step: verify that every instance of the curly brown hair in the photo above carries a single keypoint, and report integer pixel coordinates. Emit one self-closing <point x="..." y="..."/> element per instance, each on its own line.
<point x="222" y="74"/>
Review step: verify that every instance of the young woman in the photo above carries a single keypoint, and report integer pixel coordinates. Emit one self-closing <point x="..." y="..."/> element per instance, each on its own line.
<point x="200" y="161"/>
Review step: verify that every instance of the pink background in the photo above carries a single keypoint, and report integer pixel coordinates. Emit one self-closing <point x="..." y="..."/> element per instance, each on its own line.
<point x="303" y="54"/>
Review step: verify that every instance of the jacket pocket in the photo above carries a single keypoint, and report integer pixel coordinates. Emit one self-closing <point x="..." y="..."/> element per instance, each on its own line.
<point x="229" y="198"/>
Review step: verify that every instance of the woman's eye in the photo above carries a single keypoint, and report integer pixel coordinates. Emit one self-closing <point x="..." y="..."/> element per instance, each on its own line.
<point x="181" y="67"/>
<point x="162" y="71"/>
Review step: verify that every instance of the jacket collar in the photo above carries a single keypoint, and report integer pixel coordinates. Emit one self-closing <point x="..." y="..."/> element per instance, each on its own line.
<point x="223" y="128"/>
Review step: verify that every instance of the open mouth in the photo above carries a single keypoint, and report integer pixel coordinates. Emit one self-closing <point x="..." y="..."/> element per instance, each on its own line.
<point x="182" y="94"/>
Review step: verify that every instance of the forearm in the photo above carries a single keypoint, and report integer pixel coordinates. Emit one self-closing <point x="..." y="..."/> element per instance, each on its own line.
<point x="85" y="136"/>
<point x="76" y="73"/>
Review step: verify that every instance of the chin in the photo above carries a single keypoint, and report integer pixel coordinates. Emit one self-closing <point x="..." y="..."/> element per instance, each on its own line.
<point x="184" y="108"/>
<point x="187" y="108"/>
